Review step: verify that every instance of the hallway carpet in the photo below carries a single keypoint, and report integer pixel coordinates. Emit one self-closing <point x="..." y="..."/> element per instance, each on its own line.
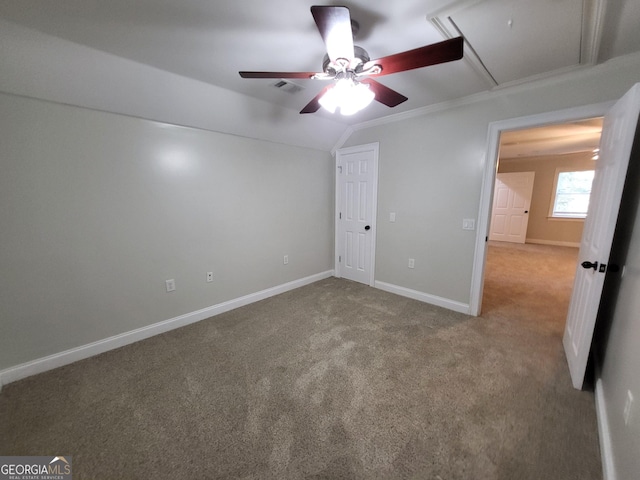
<point x="335" y="380"/>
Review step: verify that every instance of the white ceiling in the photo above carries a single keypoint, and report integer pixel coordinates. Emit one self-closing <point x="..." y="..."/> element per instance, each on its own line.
<point x="508" y="41"/>
<point x="560" y="139"/>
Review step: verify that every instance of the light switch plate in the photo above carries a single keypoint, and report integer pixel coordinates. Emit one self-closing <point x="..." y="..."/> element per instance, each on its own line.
<point x="468" y="224"/>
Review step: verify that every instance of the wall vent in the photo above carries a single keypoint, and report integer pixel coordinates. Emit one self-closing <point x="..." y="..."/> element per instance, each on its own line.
<point x="288" y="87"/>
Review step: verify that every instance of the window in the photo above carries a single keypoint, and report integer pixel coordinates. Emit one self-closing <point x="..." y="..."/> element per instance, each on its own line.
<point x="571" y="193"/>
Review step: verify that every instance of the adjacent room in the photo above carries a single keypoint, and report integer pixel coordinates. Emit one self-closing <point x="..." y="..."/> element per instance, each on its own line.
<point x="541" y="198"/>
<point x="218" y="264"/>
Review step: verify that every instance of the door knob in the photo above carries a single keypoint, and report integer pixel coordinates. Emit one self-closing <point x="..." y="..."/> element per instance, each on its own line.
<point x="368" y="227"/>
<point x="593" y="265"/>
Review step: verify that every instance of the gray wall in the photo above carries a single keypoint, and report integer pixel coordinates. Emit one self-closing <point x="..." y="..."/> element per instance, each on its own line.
<point x="541" y="228"/>
<point x="621" y="365"/>
<point x="98" y="209"/>
<point x="33" y="64"/>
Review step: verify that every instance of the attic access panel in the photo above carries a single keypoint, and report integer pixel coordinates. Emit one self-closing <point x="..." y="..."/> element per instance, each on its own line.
<point x="515" y="40"/>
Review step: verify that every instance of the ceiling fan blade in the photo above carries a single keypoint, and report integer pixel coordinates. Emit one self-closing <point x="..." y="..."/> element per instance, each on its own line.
<point x="306" y="75"/>
<point x="441" y="52"/>
<point x="334" y="25"/>
<point x="384" y="94"/>
<point x="314" y="105"/>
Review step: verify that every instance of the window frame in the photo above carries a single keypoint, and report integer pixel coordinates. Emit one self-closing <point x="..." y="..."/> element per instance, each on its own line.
<point x="554" y="192"/>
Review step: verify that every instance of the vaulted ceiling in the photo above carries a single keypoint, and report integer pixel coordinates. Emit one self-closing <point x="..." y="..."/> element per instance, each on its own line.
<point x="506" y="41"/>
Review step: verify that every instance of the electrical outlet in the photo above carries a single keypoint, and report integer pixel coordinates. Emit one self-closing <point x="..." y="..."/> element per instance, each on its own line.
<point x="627" y="407"/>
<point x="285" y="260"/>
<point x="392" y="217"/>
<point x="209" y="276"/>
<point x="171" y="285"/>
<point x="412" y="263"/>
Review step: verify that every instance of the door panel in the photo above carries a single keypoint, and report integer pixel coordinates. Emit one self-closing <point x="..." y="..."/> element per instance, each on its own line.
<point x="356" y="185"/>
<point x="615" y="149"/>
<point x="511" y="203"/>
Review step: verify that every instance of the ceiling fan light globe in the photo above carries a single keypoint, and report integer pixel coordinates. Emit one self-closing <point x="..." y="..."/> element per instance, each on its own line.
<point x="348" y="95"/>
<point x="335" y="97"/>
<point x="363" y="95"/>
<point x="360" y="96"/>
<point x="329" y="100"/>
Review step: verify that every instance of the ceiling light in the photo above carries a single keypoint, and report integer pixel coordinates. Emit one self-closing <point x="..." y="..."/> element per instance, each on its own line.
<point x="349" y="95"/>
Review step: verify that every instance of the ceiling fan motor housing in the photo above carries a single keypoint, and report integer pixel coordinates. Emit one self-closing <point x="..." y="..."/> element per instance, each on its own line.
<point x="360" y="57"/>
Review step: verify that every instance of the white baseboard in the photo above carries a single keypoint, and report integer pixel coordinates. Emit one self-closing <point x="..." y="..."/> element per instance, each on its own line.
<point x="424" y="297"/>
<point x="606" y="449"/>
<point x="553" y="242"/>
<point x="56" y="360"/>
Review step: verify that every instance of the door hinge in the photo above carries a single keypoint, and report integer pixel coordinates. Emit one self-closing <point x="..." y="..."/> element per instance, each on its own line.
<point x="339" y="168"/>
<point x="340" y="216"/>
<point x="339" y="258"/>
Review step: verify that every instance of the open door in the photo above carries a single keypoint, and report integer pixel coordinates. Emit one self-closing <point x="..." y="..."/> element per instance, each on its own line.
<point x="618" y="133"/>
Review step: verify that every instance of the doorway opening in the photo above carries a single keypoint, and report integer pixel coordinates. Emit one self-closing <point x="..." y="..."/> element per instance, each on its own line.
<point x="520" y="139"/>
<point x="536" y="220"/>
<point x="543" y="183"/>
<point x="616" y="145"/>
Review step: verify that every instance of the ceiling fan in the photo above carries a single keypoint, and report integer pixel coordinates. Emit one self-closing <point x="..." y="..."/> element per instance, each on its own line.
<point x="352" y="69"/>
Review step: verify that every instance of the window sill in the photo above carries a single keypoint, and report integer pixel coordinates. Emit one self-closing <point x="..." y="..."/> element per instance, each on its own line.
<point x="566" y="219"/>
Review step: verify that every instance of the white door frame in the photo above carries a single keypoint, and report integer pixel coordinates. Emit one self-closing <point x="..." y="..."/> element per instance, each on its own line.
<point x="375" y="148"/>
<point x="491" y="166"/>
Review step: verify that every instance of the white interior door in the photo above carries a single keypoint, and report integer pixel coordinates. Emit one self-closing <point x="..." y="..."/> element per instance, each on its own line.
<point x="356" y="197"/>
<point x="511" y="203"/>
<point x="615" y="149"/>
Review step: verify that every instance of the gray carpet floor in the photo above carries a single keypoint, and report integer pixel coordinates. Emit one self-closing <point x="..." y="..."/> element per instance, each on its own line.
<point x="334" y="380"/>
